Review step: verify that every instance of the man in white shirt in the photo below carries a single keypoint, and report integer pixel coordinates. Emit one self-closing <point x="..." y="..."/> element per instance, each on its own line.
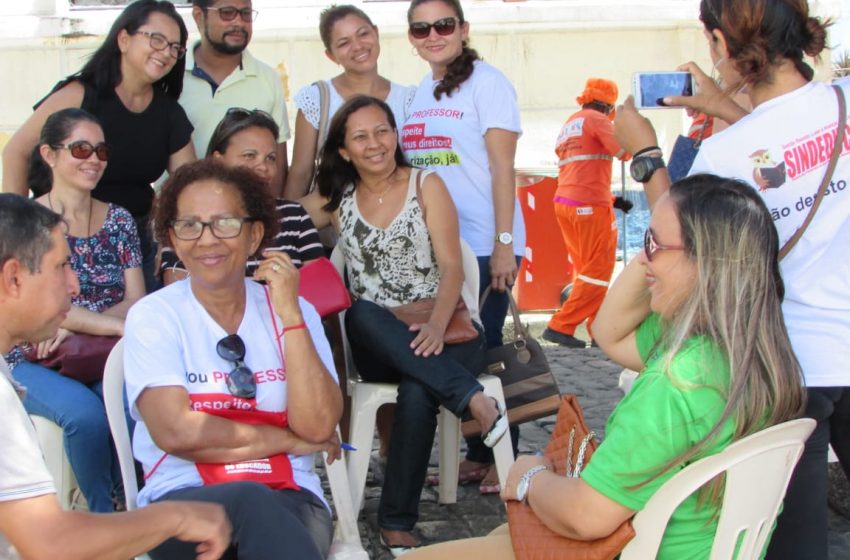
<point x="221" y="74"/>
<point x="36" y="285"/>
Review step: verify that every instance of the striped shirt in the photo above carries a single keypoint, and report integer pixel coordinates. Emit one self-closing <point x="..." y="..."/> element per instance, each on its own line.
<point x="297" y="237"/>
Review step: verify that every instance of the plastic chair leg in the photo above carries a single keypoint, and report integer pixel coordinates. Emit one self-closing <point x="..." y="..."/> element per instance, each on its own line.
<point x="365" y="401"/>
<point x="503" y="453"/>
<point x="449" y="452"/>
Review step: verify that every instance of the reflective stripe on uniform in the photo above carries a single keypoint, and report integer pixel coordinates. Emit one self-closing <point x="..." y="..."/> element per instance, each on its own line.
<point x="585" y="157"/>
<point x="593" y="281"/>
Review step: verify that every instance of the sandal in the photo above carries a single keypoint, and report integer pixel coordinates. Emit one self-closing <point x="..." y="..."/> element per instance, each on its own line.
<point x="397" y="549"/>
<point x="490" y="483"/>
<point x="464" y="476"/>
<point x="500" y="426"/>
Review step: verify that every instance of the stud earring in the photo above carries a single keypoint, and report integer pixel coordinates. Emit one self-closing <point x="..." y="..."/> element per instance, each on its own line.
<point x="413" y="51"/>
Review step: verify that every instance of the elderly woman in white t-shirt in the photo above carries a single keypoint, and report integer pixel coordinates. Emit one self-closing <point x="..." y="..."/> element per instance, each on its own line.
<point x="232" y="382"/>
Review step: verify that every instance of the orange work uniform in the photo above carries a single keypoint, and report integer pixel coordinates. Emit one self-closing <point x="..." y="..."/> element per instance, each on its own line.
<point x="586" y="148"/>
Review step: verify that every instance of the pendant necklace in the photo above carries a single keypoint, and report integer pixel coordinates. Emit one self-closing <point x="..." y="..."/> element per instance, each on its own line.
<point x="389" y="186"/>
<point x="91" y="204"/>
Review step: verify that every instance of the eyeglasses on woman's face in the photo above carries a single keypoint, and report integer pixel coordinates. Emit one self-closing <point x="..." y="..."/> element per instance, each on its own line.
<point x="651" y="246"/>
<point x="443" y="27"/>
<point x="159" y="42"/>
<point x="83" y="149"/>
<point x="240" y="380"/>
<point x="229" y="13"/>
<point x="190" y="229"/>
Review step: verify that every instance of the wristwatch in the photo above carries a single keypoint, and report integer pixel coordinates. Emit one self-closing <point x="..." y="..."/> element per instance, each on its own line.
<point x="504" y="237"/>
<point x="643" y="167"/>
<point x="525" y="481"/>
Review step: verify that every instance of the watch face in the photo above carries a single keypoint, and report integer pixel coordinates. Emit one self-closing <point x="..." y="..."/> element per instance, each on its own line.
<point x="505" y="238"/>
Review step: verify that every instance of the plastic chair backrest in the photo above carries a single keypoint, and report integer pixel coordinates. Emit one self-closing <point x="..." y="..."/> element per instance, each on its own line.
<point x="113" y="398"/>
<point x="757" y="467"/>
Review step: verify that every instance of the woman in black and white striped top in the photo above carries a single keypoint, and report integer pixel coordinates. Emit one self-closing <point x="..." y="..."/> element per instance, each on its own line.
<point x="248" y="139"/>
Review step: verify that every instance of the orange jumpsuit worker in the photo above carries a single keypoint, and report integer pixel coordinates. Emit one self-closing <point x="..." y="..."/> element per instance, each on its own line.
<point x="583" y="207"/>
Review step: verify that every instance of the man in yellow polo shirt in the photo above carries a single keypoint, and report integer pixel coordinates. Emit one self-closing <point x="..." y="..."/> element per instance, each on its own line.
<point x="221" y="74"/>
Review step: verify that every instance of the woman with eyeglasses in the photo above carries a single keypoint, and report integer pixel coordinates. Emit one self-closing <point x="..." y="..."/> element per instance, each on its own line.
<point x="232" y="382"/>
<point x="351" y="41"/>
<point x="398" y="233"/>
<point x="464" y="124"/>
<point x="248" y="139"/>
<point x="698" y="313"/>
<point x="66" y="164"/>
<point x="131" y="83"/>
<point x="781" y="148"/>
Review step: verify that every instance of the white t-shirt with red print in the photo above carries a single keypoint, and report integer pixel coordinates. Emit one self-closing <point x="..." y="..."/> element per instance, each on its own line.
<point x="170" y="340"/>
<point x="447" y="136"/>
<point x="782" y="148"/>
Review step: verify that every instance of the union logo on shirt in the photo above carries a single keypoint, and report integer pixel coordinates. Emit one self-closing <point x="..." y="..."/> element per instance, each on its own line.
<point x="767" y="174"/>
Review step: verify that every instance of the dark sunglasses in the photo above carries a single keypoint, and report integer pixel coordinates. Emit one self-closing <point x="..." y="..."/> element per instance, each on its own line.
<point x="229" y="13"/>
<point x="240" y="113"/>
<point x="240" y="381"/>
<point x="82" y="149"/>
<point x="443" y="27"/>
<point x="651" y="246"/>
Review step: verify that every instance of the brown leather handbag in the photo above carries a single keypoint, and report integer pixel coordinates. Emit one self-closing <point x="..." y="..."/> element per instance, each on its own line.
<point x="569" y="449"/>
<point x="460" y="327"/>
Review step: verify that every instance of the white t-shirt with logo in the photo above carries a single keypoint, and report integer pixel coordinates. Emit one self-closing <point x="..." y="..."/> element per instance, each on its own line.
<point x="23" y="473"/>
<point x="447" y="136"/>
<point x="170" y="340"/>
<point x="783" y="148"/>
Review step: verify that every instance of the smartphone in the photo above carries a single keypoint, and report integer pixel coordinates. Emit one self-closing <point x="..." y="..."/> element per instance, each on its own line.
<point x="649" y="88"/>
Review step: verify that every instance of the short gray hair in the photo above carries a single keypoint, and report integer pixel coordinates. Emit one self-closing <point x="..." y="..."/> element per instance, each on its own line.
<point x="25" y="230"/>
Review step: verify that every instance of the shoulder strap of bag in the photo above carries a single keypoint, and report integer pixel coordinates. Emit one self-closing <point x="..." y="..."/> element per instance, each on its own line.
<point x="419" y="190"/>
<point x="830" y="169"/>
<point x="324" y="109"/>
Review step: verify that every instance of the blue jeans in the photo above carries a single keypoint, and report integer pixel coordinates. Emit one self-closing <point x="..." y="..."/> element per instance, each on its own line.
<point x="78" y="410"/>
<point x="493" y="317"/>
<point x="380" y="344"/>
<point x="148" y="246"/>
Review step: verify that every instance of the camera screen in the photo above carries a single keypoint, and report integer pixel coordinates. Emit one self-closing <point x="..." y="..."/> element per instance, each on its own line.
<point x="655" y="87"/>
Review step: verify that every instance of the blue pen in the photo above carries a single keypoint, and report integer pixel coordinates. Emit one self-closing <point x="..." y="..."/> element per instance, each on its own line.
<point x="347" y="446"/>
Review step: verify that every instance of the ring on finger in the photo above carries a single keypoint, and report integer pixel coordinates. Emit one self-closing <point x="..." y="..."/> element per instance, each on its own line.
<point x="276" y="267"/>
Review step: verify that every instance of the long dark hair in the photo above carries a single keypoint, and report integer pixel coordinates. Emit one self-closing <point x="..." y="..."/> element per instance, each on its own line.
<point x="760" y="33"/>
<point x="460" y="69"/>
<point x="335" y="173"/>
<point x="56" y="129"/>
<point x="103" y="68"/>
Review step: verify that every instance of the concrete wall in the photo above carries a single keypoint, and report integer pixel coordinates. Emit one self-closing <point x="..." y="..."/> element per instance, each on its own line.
<point x="546" y="47"/>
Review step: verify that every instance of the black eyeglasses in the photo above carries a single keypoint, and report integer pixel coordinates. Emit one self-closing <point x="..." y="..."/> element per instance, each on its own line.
<point x="443" y="27"/>
<point x="160" y="43"/>
<point x="82" y="149"/>
<point x="229" y="13"/>
<point x="240" y="381"/>
<point x="651" y="246"/>
<point x="222" y="228"/>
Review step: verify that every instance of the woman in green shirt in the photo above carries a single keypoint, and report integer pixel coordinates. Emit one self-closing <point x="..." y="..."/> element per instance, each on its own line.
<point x="698" y="314"/>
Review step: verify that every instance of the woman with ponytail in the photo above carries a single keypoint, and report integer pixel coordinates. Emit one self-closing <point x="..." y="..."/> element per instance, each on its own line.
<point x="781" y="149"/>
<point x="464" y="124"/>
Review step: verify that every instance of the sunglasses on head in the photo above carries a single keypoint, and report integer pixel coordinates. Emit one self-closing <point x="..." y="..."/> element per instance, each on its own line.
<point x="240" y="381"/>
<point x="229" y="13"/>
<point x="82" y="149"/>
<point x="443" y="27"/>
<point x="651" y="246"/>
<point x="240" y="113"/>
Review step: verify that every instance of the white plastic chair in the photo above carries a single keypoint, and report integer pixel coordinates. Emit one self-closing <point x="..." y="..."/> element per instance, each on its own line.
<point x="52" y="443"/>
<point x="757" y="470"/>
<point x="346" y="544"/>
<point x="367" y="397"/>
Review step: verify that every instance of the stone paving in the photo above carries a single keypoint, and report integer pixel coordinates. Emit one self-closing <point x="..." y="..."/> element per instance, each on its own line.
<point x="589" y="374"/>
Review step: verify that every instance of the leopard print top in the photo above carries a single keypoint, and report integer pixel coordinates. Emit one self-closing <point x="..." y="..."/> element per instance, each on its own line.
<point x="391" y="266"/>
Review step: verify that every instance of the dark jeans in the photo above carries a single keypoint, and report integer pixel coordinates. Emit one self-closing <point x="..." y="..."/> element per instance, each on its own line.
<point x="801" y="528"/>
<point x="148" y="246"/>
<point x="493" y="317"/>
<point x="380" y="345"/>
<point x="266" y="523"/>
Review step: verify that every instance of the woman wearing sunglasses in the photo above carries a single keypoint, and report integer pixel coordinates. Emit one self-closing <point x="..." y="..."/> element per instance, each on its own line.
<point x="781" y="148"/>
<point x="232" y="382"/>
<point x="464" y="124"/>
<point x="131" y="84"/>
<point x="248" y="139"/>
<point x="67" y="163"/>
<point x="698" y="313"/>
<point x="351" y="41"/>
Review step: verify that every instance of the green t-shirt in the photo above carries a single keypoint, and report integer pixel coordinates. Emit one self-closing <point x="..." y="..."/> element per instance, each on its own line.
<point x="665" y="414"/>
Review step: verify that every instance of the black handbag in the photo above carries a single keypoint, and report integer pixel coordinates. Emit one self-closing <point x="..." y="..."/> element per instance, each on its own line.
<point x="531" y="391"/>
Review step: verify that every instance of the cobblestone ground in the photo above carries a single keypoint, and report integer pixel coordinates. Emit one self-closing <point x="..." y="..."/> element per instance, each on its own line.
<point x="589" y="374"/>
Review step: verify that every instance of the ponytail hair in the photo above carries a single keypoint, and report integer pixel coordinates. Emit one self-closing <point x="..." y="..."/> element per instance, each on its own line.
<point x="57" y="128"/>
<point x="760" y="34"/>
<point x="460" y="69"/>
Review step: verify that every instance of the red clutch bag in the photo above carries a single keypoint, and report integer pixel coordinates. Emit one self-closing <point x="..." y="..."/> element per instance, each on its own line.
<point x="321" y="285"/>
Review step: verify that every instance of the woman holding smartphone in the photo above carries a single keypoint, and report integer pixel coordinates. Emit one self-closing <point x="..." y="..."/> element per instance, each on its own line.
<point x="758" y="47"/>
<point x="464" y="124"/>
